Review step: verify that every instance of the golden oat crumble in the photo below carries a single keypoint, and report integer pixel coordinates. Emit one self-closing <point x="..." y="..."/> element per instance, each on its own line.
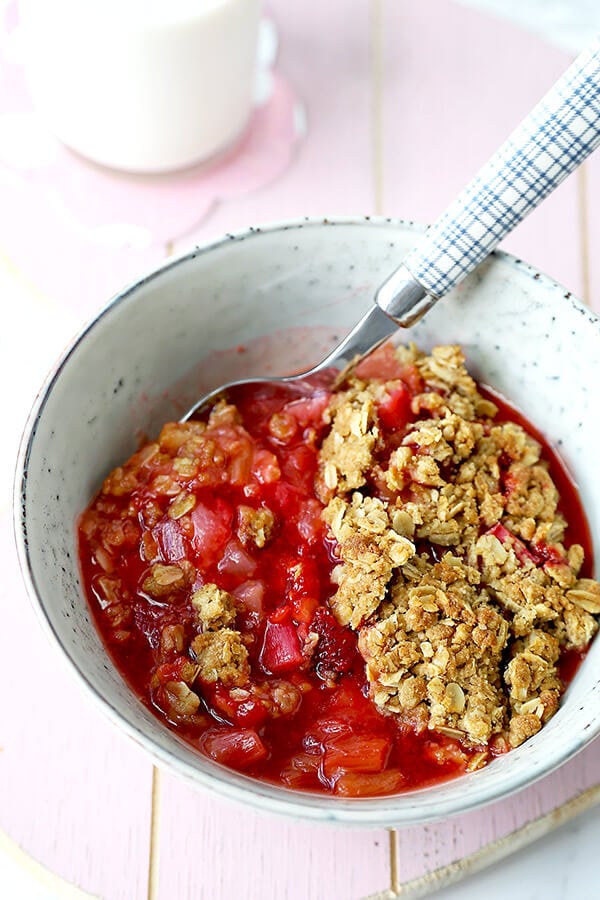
<point x="435" y="648"/>
<point x="180" y="701"/>
<point x="214" y="607"/>
<point x="347" y="451"/>
<point x="221" y="656"/>
<point x="255" y="525"/>
<point x="165" y="581"/>
<point x="279" y="698"/>
<point x="370" y="550"/>
<point x="468" y="644"/>
<point x="172" y="640"/>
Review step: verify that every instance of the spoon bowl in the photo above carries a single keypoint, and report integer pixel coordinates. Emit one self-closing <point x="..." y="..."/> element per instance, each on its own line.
<point x="371" y="331"/>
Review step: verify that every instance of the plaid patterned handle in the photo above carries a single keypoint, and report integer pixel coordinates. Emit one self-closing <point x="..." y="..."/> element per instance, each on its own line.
<point x="562" y="130"/>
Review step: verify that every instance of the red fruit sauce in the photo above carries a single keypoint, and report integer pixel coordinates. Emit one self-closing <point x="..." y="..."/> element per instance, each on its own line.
<point x="335" y="741"/>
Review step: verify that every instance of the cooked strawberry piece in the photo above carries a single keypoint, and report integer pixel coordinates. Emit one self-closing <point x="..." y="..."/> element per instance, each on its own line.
<point x="265" y="467"/>
<point x="337" y="650"/>
<point x="173" y="671"/>
<point x="251" y="595"/>
<point x="281" y="649"/>
<point x="394" y="410"/>
<point x="382" y="365"/>
<point x="355" y="753"/>
<point x="239" y="748"/>
<point x="309" y="410"/>
<point x="301" y="771"/>
<point x="236" y="562"/>
<point x="241" y="710"/>
<point x="171" y="542"/>
<point x="309" y="523"/>
<point x="303" y="589"/>
<point x="300" y="466"/>
<point x="355" y="784"/>
<point x="212" y="530"/>
<point x="548" y="555"/>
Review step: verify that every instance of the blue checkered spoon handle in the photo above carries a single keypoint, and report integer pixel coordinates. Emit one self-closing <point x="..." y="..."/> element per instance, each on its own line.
<point x="562" y="130"/>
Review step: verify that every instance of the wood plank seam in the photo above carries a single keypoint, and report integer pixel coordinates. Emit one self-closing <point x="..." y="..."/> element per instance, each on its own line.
<point x="584" y="236"/>
<point x="153" y="849"/>
<point x="395" y="880"/>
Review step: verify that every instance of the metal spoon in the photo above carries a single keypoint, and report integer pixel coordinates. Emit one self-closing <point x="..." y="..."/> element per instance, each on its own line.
<point x="559" y="133"/>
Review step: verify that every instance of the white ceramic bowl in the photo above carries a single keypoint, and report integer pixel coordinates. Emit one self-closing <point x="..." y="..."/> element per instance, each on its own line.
<point x="285" y="292"/>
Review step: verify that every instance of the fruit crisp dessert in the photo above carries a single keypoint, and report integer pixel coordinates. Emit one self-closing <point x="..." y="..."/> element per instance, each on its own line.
<point x="357" y="590"/>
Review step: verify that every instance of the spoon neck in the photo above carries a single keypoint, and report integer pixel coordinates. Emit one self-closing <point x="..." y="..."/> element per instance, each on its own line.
<point x="403" y="298"/>
<point x="372" y="330"/>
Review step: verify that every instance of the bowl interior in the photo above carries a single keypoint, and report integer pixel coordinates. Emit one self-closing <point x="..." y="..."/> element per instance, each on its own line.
<point x="274" y="301"/>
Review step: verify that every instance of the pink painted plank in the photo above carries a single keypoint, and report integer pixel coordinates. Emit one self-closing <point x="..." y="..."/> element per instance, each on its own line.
<point x="592" y="182"/>
<point x="425" y="849"/>
<point x="210" y="848"/>
<point x="261" y="857"/>
<point x="75" y="794"/>
<point x="453" y="93"/>
<point x="457" y="81"/>
<point x="61" y="258"/>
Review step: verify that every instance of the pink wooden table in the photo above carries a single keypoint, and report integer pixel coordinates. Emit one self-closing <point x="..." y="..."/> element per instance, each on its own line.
<point x="404" y="101"/>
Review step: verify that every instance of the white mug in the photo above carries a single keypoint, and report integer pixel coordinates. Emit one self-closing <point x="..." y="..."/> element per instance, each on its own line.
<point x="142" y="85"/>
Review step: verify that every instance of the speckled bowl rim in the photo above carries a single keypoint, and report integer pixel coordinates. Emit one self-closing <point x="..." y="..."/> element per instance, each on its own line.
<point x="262" y="795"/>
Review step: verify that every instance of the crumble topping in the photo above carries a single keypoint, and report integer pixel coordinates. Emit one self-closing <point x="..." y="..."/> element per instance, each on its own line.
<point x="181" y="702"/>
<point x="255" y="525"/>
<point x="370" y="549"/>
<point x="214" y="607"/>
<point x="347" y="451"/>
<point x="172" y="640"/>
<point x="279" y="698"/>
<point x="164" y="582"/>
<point x="433" y="651"/>
<point x="467" y="645"/>
<point x="221" y="656"/>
